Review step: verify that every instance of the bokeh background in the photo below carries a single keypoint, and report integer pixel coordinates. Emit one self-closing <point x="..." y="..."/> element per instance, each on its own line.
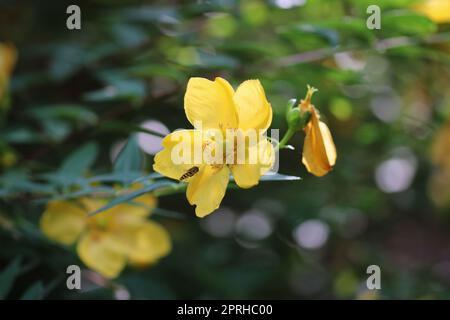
<point x="384" y="94"/>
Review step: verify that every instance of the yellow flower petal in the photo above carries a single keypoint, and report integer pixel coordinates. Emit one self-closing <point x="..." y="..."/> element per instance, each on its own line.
<point x="440" y="150"/>
<point x="148" y="200"/>
<point x="91" y="204"/>
<point x="143" y="243"/>
<point x="116" y="216"/>
<point x="254" y="111"/>
<point x="248" y="174"/>
<point x="438" y="188"/>
<point x="319" y="151"/>
<point x="178" y="144"/>
<point x="8" y="57"/>
<point x="207" y="189"/>
<point x="436" y="10"/>
<point x="100" y="252"/>
<point x="63" y="221"/>
<point x="210" y="103"/>
<point x="141" y="206"/>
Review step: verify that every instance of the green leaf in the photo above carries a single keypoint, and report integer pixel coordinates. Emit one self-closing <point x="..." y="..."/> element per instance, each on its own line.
<point x="310" y="37"/>
<point x="56" y="130"/>
<point x="116" y="177"/>
<point x="8" y="275"/>
<point x="135" y="176"/>
<point x="125" y="127"/>
<point x="207" y="60"/>
<point x="361" y="5"/>
<point x="151" y="176"/>
<point x="129" y="160"/>
<point x="404" y="22"/>
<point x="70" y="112"/>
<point x="108" y="191"/>
<point x="80" y="160"/>
<point x="134" y="194"/>
<point x="118" y="87"/>
<point x="128" y="35"/>
<point x="146" y="70"/>
<point x="67" y="60"/>
<point x="34" y="292"/>
<point x="18" y="181"/>
<point x="150" y="13"/>
<point x="350" y="29"/>
<point x="21" y="135"/>
<point x="30" y="186"/>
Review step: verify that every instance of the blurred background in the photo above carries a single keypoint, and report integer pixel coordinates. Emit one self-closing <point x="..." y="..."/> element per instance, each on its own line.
<point x="383" y="93"/>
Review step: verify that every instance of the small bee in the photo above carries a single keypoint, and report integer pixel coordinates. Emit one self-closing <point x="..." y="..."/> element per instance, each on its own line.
<point x="190" y="173"/>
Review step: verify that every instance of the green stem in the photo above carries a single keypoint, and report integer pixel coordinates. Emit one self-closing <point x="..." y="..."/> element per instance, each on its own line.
<point x="287" y="136"/>
<point x="176" y="188"/>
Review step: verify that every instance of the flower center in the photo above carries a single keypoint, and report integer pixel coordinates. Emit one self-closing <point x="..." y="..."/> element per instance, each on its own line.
<point x="101" y="223"/>
<point x="229" y="149"/>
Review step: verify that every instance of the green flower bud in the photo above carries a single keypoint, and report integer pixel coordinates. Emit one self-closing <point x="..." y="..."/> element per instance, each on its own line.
<point x="294" y="119"/>
<point x="292" y="103"/>
<point x="292" y="113"/>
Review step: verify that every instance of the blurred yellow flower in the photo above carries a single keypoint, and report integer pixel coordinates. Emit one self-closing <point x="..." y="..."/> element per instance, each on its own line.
<point x="8" y="57"/>
<point x="7" y="157"/>
<point x="214" y="105"/>
<point x="436" y="10"/>
<point x="106" y="242"/>
<point x="440" y="149"/>
<point x="439" y="188"/>
<point x="319" y="151"/>
<point x="368" y="295"/>
<point x="439" y="185"/>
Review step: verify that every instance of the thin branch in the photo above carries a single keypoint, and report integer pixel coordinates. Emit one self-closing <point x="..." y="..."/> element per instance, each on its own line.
<point x="381" y="46"/>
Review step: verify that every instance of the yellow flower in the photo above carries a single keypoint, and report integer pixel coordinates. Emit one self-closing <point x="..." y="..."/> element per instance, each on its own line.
<point x="438" y="187"/>
<point x="440" y="149"/>
<point x="215" y="106"/>
<point x="368" y="295"/>
<point x="106" y="242"/>
<point x="319" y="151"/>
<point x="8" y="57"/>
<point x="436" y="10"/>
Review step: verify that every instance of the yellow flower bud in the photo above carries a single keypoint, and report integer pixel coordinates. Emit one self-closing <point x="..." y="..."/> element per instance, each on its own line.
<point x="319" y="151"/>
